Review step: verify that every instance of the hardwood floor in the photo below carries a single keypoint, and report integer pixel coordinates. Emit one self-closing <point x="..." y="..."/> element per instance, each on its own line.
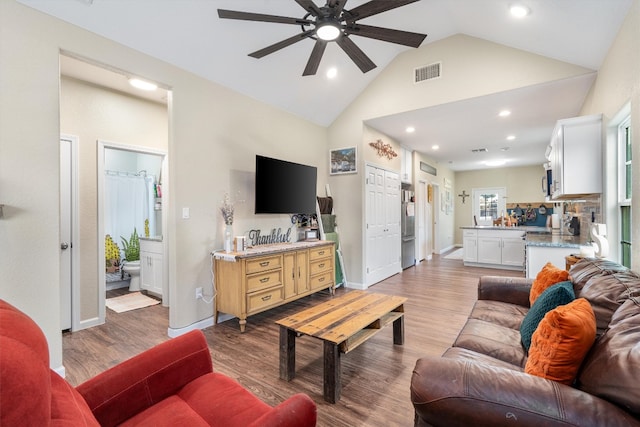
<point x="375" y="377"/>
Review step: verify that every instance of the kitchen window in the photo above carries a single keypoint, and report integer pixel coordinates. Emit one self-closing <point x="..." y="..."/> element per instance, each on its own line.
<point x="488" y="204"/>
<point x="625" y="190"/>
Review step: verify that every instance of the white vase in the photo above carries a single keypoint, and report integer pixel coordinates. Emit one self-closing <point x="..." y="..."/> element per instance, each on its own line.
<point x="228" y="238"/>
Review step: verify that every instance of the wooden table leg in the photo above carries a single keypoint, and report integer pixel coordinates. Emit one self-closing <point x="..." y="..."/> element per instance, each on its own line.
<point x="287" y="353"/>
<point x="332" y="384"/>
<point x="398" y="331"/>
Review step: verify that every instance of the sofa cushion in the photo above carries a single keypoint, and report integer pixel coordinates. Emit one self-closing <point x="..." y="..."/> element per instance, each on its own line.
<point x="494" y="340"/>
<point x="549" y="275"/>
<point x="210" y="400"/>
<point x="555" y="295"/>
<point x="585" y="269"/>
<point x="606" y="294"/>
<point x="610" y="370"/>
<point x="562" y="339"/>
<point x="500" y="313"/>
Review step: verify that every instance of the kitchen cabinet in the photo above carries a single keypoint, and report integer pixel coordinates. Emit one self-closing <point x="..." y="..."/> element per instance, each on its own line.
<point x="576" y="157"/>
<point x="262" y="278"/>
<point x="151" y="266"/>
<point x="406" y="165"/>
<point x="494" y="248"/>
<point x="470" y="245"/>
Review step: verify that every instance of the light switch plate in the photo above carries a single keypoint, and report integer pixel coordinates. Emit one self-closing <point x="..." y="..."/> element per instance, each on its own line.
<point x="185" y="213"/>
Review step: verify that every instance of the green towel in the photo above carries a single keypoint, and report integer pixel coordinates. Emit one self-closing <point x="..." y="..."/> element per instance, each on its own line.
<point x="333" y="237"/>
<point x="328" y="223"/>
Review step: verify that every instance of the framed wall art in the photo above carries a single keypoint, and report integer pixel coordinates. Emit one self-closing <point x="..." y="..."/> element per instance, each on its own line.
<point x="343" y="161"/>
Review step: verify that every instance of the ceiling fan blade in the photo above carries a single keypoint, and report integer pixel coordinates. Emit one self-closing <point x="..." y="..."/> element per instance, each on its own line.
<point x="249" y="16"/>
<point x="314" y="59"/>
<point x="374" y="7"/>
<point x="356" y="54"/>
<point x="310" y="7"/>
<point x="405" y="38"/>
<point x="337" y="6"/>
<point x="281" y="44"/>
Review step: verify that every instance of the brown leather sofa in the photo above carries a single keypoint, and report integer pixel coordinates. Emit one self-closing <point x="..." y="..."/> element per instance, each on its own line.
<point x="480" y="381"/>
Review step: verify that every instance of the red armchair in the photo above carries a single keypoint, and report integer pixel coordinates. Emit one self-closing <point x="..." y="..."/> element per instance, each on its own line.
<point x="172" y="384"/>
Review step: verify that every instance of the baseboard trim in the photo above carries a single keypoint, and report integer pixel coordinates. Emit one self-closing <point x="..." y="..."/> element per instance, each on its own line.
<point x="202" y="324"/>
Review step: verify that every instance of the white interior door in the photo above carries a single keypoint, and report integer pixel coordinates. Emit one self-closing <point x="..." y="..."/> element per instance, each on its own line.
<point x="68" y="229"/>
<point x="382" y="217"/>
<point x="422" y="203"/>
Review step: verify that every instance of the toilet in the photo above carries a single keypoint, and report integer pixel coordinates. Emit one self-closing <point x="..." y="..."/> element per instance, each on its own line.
<point x="133" y="269"/>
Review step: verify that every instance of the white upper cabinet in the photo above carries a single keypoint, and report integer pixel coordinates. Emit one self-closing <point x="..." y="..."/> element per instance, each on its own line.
<point x="576" y="157"/>
<point x="406" y="161"/>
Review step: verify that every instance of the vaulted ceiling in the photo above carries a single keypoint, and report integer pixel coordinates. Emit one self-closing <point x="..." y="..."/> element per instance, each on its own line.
<point x="189" y="34"/>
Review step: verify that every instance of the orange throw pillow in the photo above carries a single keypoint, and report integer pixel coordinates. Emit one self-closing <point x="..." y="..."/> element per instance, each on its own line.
<point x="561" y="341"/>
<point x="549" y="275"/>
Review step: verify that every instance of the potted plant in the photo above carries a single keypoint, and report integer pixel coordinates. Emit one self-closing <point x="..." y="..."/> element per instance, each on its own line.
<point x="131" y="247"/>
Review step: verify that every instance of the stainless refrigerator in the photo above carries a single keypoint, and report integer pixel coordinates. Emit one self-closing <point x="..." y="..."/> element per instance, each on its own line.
<point x="408" y="229"/>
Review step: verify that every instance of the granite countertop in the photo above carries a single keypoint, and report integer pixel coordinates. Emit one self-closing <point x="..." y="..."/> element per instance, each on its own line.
<point x="555" y="240"/>
<point x="525" y="228"/>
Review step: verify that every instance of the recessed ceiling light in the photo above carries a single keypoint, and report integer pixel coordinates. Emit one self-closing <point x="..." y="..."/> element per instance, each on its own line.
<point x="435" y="147"/>
<point x="332" y="73"/>
<point x="519" y="11"/>
<point x="511" y="137"/>
<point x="410" y="129"/>
<point x="504" y="113"/>
<point x="142" y="84"/>
<point x="495" y="162"/>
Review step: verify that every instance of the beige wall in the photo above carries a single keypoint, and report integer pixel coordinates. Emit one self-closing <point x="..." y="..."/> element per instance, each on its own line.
<point x="214" y="134"/>
<point x="618" y="85"/>
<point x="471" y="67"/>
<point x="523" y="185"/>
<point x="93" y="113"/>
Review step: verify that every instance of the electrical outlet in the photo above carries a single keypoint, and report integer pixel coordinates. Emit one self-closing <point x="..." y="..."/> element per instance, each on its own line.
<point x="199" y="293"/>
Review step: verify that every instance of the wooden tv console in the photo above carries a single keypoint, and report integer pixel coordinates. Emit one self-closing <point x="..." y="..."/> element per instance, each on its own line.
<point x="267" y="276"/>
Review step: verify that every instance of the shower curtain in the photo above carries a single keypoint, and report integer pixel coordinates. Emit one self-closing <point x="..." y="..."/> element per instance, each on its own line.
<point x="129" y="200"/>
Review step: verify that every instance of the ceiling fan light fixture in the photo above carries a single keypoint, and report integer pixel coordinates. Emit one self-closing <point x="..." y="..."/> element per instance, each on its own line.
<point x="327" y="30"/>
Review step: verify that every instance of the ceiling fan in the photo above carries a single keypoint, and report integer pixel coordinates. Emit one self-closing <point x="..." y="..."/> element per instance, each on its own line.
<point x="332" y="22"/>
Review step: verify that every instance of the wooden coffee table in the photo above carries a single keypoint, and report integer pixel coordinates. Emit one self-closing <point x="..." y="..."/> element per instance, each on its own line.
<point x="342" y="323"/>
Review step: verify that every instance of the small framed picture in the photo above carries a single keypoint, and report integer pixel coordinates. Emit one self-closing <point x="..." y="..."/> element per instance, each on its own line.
<point x="342" y="161"/>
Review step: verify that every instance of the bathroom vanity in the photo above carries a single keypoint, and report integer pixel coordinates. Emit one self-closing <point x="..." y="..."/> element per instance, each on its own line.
<point x="267" y="276"/>
<point x="151" y="265"/>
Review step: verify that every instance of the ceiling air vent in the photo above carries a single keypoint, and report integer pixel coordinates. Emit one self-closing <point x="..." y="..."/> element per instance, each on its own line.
<point x="479" y="150"/>
<point x="427" y="72"/>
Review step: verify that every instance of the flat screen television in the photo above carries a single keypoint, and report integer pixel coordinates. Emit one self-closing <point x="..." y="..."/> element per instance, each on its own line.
<point x="284" y="187"/>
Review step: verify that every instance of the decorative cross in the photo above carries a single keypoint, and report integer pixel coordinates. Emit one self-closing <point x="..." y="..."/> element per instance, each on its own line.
<point x="464" y="195"/>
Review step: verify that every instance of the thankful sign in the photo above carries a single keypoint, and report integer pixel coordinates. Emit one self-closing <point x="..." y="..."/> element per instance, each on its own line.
<point x="276" y="236"/>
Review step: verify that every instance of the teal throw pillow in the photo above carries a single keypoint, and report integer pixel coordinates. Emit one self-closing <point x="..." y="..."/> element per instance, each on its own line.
<point x="559" y="294"/>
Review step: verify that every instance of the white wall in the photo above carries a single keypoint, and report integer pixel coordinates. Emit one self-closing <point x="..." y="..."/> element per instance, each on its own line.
<point x="93" y="113"/>
<point x="471" y="67"/>
<point x="214" y="134"/>
<point x="617" y="85"/>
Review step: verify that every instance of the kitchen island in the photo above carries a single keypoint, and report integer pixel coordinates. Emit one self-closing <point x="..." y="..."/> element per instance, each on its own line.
<point x="526" y="248"/>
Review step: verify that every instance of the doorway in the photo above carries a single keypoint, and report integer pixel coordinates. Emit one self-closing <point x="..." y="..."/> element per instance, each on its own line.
<point x="96" y="103"/>
<point x="129" y="175"/>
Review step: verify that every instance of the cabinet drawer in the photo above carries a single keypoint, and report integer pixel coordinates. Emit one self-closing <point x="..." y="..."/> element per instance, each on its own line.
<point x="320" y="266"/>
<point x="257" y="265"/>
<point x="259" y="300"/>
<point x="319" y="253"/>
<point x="469" y="233"/>
<point x="264" y="280"/>
<point x="321" y="280"/>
